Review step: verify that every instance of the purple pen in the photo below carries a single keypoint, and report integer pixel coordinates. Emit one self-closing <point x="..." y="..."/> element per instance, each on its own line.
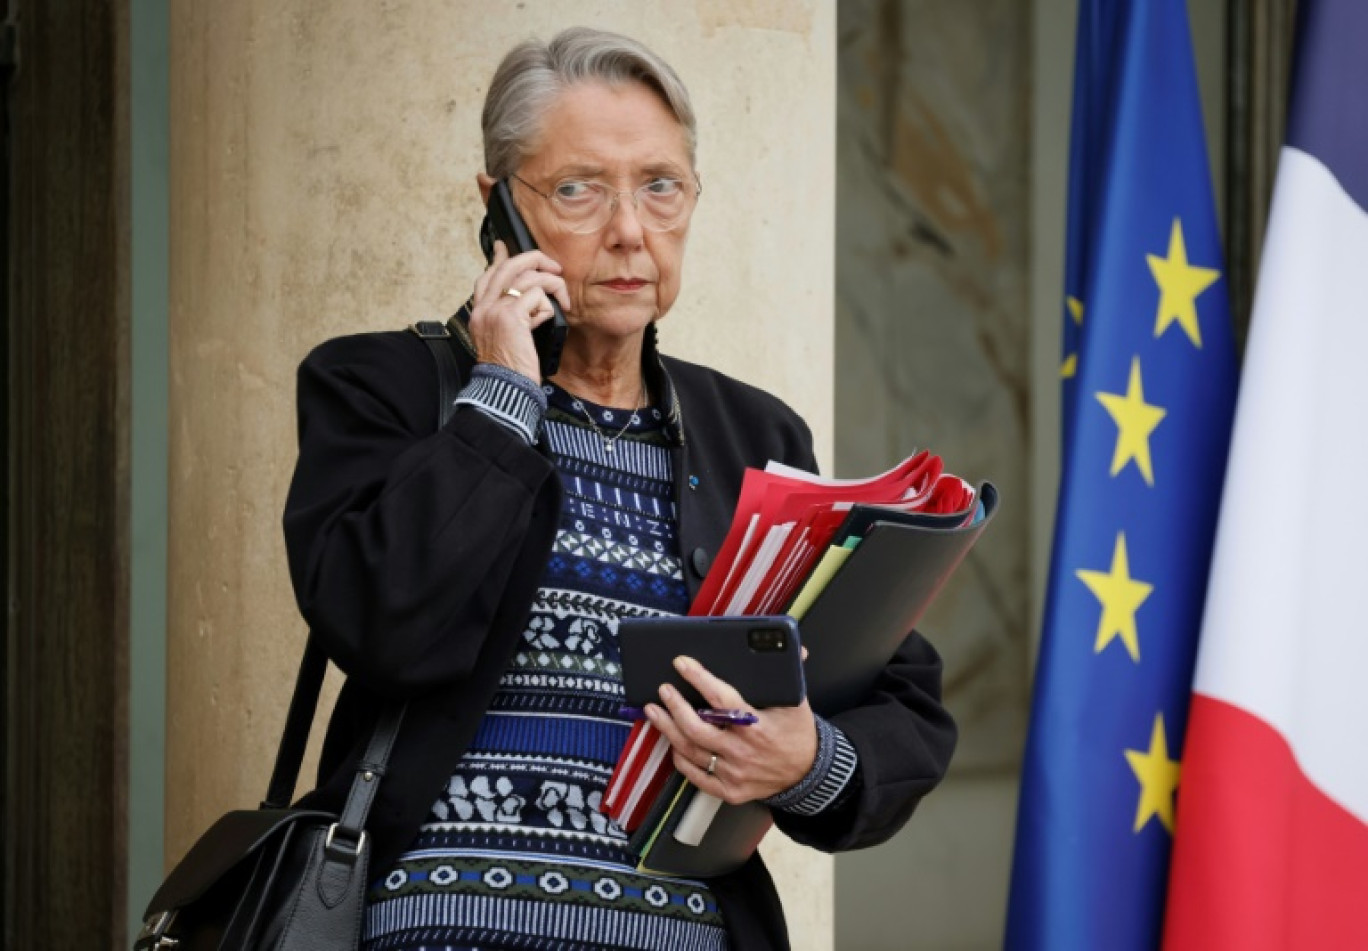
<point x="728" y="717"/>
<point x="707" y="715"/>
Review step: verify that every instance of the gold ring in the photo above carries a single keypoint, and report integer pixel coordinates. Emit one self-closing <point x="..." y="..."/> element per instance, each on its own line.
<point x="513" y="292"/>
<point x="712" y="764"/>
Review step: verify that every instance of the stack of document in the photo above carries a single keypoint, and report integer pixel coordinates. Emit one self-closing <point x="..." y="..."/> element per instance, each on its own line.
<point x="786" y="518"/>
<point x="860" y="559"/>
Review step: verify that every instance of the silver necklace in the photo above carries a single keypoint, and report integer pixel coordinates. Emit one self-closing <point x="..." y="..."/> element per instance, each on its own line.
<point x="631" y="414"/>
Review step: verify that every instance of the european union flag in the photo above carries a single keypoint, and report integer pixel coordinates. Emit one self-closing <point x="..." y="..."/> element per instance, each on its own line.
<point x="1149" y="377"/>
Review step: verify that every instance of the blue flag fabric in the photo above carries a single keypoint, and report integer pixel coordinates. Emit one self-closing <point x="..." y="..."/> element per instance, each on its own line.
<point x="1149" y="377"/>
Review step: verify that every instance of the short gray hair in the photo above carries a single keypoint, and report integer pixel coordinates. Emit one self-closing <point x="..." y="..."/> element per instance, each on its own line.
<point x="534" y="73"/>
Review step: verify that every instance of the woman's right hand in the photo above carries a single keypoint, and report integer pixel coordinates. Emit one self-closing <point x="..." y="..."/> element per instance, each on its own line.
<point x="501" y="323"/>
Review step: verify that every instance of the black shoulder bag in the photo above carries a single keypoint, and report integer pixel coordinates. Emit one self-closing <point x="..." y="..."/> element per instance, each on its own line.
<point x="276" y="878"/>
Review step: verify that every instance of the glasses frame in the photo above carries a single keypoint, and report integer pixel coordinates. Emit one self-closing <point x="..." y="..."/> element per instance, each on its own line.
<point x="616" y="201"/>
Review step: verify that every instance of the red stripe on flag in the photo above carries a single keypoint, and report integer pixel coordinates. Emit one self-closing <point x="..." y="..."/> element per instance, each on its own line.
<point x="1262" y="859"/>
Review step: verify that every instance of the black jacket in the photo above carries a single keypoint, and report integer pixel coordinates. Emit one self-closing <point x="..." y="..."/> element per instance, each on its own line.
<point x="415" y="556"/>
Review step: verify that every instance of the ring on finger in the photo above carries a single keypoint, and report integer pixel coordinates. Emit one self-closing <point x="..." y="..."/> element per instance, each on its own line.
<point x="712" y="765"/>
<point x="513" y="292"/>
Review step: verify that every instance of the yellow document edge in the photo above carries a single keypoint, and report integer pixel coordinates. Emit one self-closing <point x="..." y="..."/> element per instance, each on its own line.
<point x="826" y="569"/>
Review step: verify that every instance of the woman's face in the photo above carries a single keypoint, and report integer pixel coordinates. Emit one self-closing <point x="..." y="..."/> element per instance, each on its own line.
<point x="622" y="276"/>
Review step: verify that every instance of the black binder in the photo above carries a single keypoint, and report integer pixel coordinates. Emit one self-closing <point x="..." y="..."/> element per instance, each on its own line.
<point x="877" y="597"/>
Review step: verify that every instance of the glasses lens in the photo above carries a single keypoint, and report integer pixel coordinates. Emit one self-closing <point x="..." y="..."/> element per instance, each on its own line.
<point x="582" y="206"/>
<point x="662" y="202"/>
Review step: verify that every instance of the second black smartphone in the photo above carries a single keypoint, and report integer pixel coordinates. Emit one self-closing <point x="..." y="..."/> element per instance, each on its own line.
<point x="502" y="222"/>
<point x="762" y="657"/>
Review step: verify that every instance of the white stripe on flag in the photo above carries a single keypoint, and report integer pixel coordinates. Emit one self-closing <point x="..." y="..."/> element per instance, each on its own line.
<point x="1285" y="635"/>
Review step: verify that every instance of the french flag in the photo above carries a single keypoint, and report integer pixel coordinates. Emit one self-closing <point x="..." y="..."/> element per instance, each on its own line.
<point x="1271" y="844"/>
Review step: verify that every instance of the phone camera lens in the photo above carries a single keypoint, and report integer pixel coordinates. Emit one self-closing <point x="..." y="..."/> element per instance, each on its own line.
<point x="768" y="639"/>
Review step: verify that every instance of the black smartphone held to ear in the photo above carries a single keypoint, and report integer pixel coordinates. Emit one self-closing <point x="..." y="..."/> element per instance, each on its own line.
<point x="762" y="657"/>
<point x="502" y="222"/>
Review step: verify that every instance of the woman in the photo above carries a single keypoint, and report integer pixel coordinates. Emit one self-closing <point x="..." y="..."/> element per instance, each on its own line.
<point x="478" y="571"/>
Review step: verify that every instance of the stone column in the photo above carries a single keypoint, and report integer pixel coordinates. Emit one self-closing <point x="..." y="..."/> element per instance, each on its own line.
<point x="323" y="157"/>
<point x="933" y="339"/>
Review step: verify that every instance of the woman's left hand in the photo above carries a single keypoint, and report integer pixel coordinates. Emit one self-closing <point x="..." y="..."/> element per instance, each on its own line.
<point x="753" y="762"/>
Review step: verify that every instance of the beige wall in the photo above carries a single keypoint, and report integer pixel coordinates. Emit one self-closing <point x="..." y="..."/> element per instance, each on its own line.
<point x="322" y="163"/>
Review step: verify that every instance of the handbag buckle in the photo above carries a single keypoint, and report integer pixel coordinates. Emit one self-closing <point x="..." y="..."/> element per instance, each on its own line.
<point x="328" y="844"/>
<point x="430" y="329"/>
<point x="154" y="929"/>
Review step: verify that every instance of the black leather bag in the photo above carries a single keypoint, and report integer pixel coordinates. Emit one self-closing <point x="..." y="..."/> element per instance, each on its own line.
<point x="277" y="878"/>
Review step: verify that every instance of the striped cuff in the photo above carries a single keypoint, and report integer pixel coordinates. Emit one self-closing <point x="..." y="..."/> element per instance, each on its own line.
<point x="507" y="397"/>
<point x="830" y="774"/>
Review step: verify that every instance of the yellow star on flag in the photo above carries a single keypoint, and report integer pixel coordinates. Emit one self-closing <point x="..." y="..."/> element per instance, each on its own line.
<point x="1075" y="309"/>
<point x="1179" y="284"/>
<point x="1158" y="776"/>
<point x="1121" y="596"/>
<point x="1135" y="420"/>
<point x="1070" y="367"/>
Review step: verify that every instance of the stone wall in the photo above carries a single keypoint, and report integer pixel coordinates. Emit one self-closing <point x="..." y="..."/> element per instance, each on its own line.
<point x="933" y="351"/>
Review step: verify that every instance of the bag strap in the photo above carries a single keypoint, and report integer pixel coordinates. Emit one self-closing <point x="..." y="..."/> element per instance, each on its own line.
<point x="350" y="827"/>
<point x="435" y="334"/>
<point x="314" y="664"/>
<point x="295" y="736"/>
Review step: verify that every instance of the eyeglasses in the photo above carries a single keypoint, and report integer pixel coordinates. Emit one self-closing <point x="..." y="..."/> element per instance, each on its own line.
<point x="583" y="206"/>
